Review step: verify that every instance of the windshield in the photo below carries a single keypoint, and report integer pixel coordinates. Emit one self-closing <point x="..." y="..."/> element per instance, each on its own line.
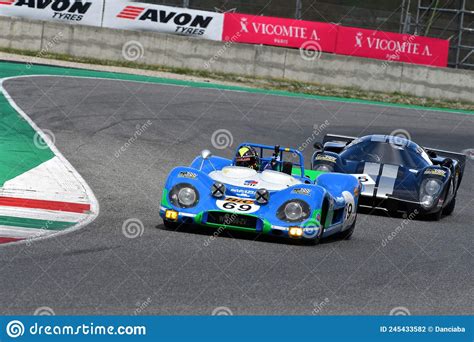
<point x="386" y="153"/>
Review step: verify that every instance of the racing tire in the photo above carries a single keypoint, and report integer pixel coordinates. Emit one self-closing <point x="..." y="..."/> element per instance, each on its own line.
<point x="450" y="207"/>
<point x="347" y="234"/>
<point x="312" y="242"/>
<point x="171" y="225"/>
<point x="435" y="216"/>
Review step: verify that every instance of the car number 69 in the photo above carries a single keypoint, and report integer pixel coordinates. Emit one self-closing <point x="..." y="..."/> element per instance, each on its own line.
<point x="235" y="206"/>
<point x="239" y="207"/>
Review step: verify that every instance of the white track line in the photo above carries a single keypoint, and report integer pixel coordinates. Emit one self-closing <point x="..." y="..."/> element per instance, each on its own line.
<point x="24" y="233"/>
<point x="41" y="214"/>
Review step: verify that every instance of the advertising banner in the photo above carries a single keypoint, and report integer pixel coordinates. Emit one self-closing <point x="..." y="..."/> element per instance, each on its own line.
<point x="391" y="46"/>
<point x="84" y="12"/>
<point x="279" y="32"/>
<point x="130" y="15"/>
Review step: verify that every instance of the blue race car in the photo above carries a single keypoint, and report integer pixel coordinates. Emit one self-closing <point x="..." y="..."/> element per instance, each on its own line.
<point x="263" y="192"/>
<point x="396" y="174"/>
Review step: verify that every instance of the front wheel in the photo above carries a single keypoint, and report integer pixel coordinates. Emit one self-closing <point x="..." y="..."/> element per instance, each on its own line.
<point x="450" y="207"/>
<point x="347" y="234"/>
<point x="171" y="225"/>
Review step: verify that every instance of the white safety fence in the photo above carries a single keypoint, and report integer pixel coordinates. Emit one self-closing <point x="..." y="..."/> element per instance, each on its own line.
<point x="121" y="14"/>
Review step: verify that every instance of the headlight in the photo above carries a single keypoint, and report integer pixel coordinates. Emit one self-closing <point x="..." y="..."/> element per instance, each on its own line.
<point x="432" y="186"/>
<point x="324" y="168"/>
<point x="427" y="201"/>
<point x="187" y="197"/>
<point x="430" y="190"/>
<point x="184" y="195"/>
<point x="293" y="211"/>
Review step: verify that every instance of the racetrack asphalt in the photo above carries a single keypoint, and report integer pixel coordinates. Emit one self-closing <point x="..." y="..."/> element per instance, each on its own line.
<point x="427" y="268"/>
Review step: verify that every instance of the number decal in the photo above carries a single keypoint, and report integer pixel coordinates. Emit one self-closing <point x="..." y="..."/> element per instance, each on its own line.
<point x="229" y="205"/>
<point x="368" y="184"/>
<point x="237" y="205"/>
<point x="350" y="210"/>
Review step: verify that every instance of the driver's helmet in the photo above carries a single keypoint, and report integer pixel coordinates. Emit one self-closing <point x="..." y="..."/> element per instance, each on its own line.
<point x="247" y="156"/>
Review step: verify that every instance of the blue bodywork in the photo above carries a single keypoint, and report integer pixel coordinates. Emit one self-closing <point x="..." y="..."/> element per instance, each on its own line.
<point x="332" y="199"/>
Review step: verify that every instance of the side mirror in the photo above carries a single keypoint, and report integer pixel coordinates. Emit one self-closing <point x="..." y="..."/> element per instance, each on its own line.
<point x="431" y="154"/>
<point x="206" y="154"/>
<point x="448" y="162"/>
<point x="318" y="146"/>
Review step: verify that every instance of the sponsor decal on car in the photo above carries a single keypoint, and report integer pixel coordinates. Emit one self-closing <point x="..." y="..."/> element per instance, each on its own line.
<point x="243" y="192"/>
<point x="187" y="174"/>
<point x="301" y="191"/>
<point x="237" y="205"/>
<point x="324" y="157"/>
<point x="250" y="183"/>
<point x="435" y="172"/>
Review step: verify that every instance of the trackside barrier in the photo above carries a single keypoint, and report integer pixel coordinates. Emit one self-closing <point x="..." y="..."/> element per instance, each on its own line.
<point x="87" y="12"/>
<point x="391" y="46"/>
<point x="235" y="27"/>
<point x="253" y="29"/>
<point x="175" y="20"/>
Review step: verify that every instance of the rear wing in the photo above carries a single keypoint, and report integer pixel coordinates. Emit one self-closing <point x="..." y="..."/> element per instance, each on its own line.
<point x="338" y="138"/>
<point x="461" y="158"/>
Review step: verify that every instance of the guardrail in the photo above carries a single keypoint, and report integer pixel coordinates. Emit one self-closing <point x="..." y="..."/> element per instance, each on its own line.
<point x="237" y="28"/>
